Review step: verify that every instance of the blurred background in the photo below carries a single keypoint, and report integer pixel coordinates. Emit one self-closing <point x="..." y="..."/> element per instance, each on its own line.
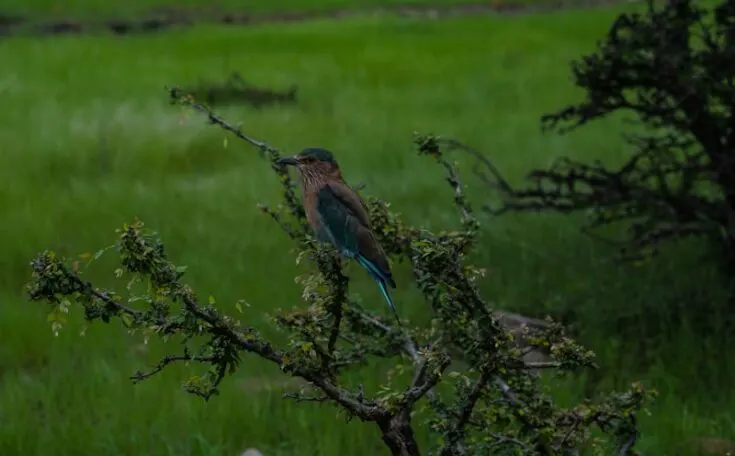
<point x="88" y="141"/>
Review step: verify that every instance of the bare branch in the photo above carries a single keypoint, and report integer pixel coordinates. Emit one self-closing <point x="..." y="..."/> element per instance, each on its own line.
<point x="162" y="364"/>
<point x="177" y="95"/>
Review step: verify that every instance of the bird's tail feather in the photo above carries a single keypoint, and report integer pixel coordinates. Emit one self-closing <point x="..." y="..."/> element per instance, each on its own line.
<point x="379" y="278"/>
<point x="373" y="269"/>
<point x="388" y="299"/>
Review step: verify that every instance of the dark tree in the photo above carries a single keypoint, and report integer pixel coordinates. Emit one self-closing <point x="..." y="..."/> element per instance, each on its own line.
<point x="489" y="403"/>
<point x="673" y="68"/>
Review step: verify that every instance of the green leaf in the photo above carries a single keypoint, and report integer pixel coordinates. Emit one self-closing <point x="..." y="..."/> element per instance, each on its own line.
<point x="55" y="327"/>
<point x="99" y="253"/>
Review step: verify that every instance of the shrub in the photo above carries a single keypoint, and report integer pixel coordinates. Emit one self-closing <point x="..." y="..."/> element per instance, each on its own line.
<point x="469" y="383"/>
<point x="672" y="67"/>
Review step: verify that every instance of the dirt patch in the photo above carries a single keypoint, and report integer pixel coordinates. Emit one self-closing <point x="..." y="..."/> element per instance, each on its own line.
<point x="165" y="18"/>
<point x="8" y="23"/>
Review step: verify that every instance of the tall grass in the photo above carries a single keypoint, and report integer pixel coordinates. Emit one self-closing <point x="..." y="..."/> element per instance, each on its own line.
<point x="88" y="143"/>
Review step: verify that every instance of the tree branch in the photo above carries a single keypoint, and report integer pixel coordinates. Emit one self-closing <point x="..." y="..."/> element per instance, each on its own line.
<point x="464" y="323"/>
<point x="457" y="430"/>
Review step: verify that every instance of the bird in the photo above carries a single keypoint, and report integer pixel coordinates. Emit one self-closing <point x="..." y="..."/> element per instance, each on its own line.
<point x="338" y="215"/>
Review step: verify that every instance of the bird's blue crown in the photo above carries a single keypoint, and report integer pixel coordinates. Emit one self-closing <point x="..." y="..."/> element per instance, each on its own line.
<point x="318" y="153"/>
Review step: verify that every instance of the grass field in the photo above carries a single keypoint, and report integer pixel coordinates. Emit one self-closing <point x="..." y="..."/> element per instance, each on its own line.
<point x="89" y="142"/>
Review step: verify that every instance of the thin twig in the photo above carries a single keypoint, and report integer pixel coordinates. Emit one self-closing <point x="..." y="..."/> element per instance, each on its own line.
<point x="542" y="365"/>
<point x="162" y="364"/>
<point x="569" y="433"/>
<point x="409" y="345"/>
<point x="338" y="292"/>
<point x="503" y="439"/>
<point x="500" y="181"/>
<point x="459" y="427"/>
<point x="507" y="391"/>
<point x="177" y="94"/>
<point x="334" y="333"/>
<point x="630" y="442"/>
<point x="628" y="445"/>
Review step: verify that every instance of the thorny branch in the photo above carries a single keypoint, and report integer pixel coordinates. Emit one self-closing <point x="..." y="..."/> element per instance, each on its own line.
<point x="408" y="346"/>
<point x="331" y="332"/>
<point x="176" y="96"/>
<point x="456" y="434"/>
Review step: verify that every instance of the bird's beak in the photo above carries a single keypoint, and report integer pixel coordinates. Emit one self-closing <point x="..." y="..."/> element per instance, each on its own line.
<point x="285" y="161"/>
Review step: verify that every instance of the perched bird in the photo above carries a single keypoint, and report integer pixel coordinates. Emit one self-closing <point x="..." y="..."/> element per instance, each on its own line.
<point x="338" y="215"/>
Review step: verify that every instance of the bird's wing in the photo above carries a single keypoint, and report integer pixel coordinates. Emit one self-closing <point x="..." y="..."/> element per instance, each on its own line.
<point x="343" y="214"/>
<point x="351" y="201"/>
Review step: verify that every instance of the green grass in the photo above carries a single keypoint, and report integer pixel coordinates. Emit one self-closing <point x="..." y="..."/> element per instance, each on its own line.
<point x="96" y="9"/>
<point x="89" y="142"/>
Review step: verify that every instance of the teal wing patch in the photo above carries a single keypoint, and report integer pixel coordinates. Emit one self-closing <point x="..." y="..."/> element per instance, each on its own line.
<point x="338" y="222"/>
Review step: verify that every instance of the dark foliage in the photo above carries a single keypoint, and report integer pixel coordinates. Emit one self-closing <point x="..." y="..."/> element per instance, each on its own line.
<point x="673" y="68"/>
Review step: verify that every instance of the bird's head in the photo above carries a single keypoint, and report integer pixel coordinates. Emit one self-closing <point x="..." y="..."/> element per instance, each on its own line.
<point x="312" y="161"/>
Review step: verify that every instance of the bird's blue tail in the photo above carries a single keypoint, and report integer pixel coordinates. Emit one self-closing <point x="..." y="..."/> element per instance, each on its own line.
<point x="386" y="295"/>
<point x="380" y="279"/>
<point x="374" y="271"/>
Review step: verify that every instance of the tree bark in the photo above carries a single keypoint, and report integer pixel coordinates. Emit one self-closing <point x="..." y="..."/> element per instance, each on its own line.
<point x="398" y="435"/>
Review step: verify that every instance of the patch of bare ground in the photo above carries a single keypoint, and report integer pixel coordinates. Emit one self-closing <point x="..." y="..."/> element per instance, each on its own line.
<point x="164" y="18"/>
